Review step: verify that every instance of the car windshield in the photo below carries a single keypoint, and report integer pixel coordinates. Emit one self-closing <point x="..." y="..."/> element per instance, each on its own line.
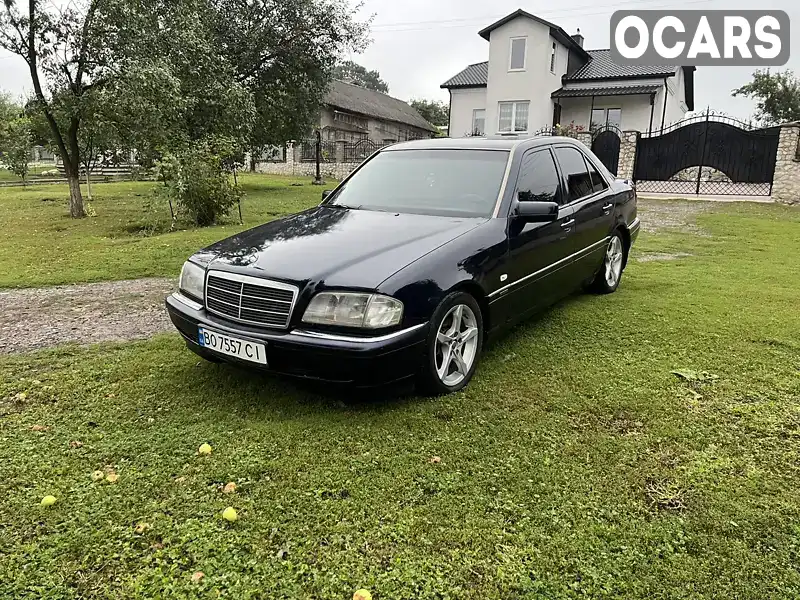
<point x="429" y="182"/>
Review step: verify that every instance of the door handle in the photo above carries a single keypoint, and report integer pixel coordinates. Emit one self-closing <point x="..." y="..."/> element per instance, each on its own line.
<point x="568" y="224"/>
<point x="608" y="207"/>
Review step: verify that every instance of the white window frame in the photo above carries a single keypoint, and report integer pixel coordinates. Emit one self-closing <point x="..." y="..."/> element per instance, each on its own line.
<point x="514" y="104"/>
<point x="474" y="112"/>
<point x="553" y="57"/>
<point x="511" y="53"/>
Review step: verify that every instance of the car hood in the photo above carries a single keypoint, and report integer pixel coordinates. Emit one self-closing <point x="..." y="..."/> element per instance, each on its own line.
<point x="337" y="247"/>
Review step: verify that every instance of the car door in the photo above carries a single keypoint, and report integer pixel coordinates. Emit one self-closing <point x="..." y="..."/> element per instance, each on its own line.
<point x="537" y="251"/>
<point x="590" y="198"/>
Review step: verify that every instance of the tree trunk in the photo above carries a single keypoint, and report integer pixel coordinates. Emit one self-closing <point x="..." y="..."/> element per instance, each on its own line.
<point x="75" y="197"/>
<point x="88" y="184"/>
<point x="252" y="163"/>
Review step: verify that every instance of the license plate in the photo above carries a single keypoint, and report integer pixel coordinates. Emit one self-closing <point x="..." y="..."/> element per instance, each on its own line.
<point x="225" y="344"/>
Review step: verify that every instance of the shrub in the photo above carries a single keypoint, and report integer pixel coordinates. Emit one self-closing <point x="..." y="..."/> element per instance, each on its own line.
<point x="196" y="180"/>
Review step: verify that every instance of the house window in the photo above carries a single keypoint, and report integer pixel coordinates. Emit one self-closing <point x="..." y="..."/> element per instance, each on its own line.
<point x="479" y="122"/>
<point x="553" y="58"/>
<point x="517" y="59"/>
<point x="513" y="117"/>
<point x="606" y="116"/>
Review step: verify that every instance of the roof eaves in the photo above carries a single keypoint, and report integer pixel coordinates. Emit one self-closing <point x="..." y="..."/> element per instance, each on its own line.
<point x="462" y="86"/>
<point x="555" y="30"/>
<point x="619" y="77"/>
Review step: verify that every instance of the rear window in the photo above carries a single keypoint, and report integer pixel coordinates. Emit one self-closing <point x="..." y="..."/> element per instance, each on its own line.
<point x="432" y="182"/>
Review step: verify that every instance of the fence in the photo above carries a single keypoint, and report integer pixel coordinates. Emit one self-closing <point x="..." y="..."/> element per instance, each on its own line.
<point x="337" y="158"/>
<point x="308" y="151"/>
<point x="757" y="161"/>
<point x="360" y="151"/>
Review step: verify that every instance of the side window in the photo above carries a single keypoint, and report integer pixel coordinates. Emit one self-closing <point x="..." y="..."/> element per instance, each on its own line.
<point x="574" y="167"/>
<point x="538" y="178"/>
<point x="598" y="183"/>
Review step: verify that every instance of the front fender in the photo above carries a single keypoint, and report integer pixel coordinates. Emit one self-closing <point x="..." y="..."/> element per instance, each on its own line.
<point x="468" y="262"/>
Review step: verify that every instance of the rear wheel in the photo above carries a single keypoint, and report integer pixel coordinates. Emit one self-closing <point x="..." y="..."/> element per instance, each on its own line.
<point x="454" y="345"/>
<point x="610" y="274"/>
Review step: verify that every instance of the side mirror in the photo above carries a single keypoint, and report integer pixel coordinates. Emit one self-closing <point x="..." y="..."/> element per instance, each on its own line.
<point x="537" y="212"/>
<point x="326" y="193"/>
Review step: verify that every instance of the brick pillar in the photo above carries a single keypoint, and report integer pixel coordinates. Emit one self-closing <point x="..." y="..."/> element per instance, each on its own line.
<point x="786" y="186"/>
<point x="585" y="137"/>
<point x="340" y="151"/>
<point x="290" y="157"/>
<point x="627" y="154"/>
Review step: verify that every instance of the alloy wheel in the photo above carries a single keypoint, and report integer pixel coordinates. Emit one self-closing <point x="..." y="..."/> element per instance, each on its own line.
<point x="456" y="345"/>
<point x="613" y="263"/>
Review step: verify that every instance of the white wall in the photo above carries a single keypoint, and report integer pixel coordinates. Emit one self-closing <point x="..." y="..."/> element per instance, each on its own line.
<point x="534" y="84"/>
<point x="676" y="105"/>
<point x="635" y="111"/>
<point x="462" y="103"/>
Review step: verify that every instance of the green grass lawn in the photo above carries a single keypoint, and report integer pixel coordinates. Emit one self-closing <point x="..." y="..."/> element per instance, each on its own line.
<point x="129" y="237"/>
<point x="576" y="465"/>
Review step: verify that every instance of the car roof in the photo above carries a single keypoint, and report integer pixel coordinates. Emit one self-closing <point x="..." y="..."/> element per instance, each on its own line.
<point x="479" y="143"/>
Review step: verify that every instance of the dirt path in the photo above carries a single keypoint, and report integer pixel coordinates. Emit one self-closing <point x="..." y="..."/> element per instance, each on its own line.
<point x="657" y="215"/>
<point x="31" y="319"/>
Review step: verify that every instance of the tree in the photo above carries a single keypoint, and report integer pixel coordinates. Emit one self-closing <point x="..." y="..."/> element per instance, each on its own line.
<point x="9" y="110"/>
<point x="350" y="72"/>
<point x="433" y="111"/>
<point x="16" y="141"/>
<point x="281" y="52"/>
<point x="16" y="137"/>
<point x="67" y="57"/>
<point x="167" y="76"/>
<point x="777" y="96"/>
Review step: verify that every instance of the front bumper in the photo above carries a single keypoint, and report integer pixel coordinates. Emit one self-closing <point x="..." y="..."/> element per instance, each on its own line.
<point x="298" y="353"/>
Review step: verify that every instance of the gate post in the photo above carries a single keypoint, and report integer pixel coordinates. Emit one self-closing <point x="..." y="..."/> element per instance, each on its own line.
<point x="627" y="154"/>
<point x="585" y="137"/>
<point x="786" y="182"/>
<point x="703" y="155"/>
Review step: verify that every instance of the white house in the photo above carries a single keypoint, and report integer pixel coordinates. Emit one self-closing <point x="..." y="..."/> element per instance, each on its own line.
<point x="538" y="76"/>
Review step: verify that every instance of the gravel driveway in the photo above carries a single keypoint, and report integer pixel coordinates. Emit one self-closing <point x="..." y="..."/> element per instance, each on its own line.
<point x="85" y="314"/>
<point x="115" y="311"/>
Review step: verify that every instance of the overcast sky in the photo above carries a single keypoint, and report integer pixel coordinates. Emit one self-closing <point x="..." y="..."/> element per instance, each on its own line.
<point x="418" y="44"/>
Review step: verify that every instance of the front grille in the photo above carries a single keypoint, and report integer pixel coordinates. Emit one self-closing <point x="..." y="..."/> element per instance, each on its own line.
<point x="250" y="299"/>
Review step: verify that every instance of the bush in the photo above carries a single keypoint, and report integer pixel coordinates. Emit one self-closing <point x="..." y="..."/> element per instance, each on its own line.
<point x="196" y="180"/>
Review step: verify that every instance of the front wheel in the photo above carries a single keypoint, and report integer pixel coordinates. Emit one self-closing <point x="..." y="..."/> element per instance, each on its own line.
<point x="454" y="345"/>
<point x="610" y="274"/>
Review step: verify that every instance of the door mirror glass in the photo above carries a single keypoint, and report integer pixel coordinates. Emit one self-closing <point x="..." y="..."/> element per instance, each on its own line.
<point x="537" y="212"/>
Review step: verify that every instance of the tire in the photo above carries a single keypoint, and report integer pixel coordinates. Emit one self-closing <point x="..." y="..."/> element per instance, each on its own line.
<point x="615" y="258"/>
<point x="438" y="378"/>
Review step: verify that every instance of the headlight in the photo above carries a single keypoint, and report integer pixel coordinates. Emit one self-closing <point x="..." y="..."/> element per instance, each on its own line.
<point x="351" y="309"/>
<point x="192" y="280"/>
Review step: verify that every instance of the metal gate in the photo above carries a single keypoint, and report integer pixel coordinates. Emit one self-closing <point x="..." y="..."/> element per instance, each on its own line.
<point x="606" y="142"/>
<point x="708" y="154"/>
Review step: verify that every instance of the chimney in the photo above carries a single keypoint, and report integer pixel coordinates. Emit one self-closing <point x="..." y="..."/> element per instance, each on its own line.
<point x="578" y="38"/>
